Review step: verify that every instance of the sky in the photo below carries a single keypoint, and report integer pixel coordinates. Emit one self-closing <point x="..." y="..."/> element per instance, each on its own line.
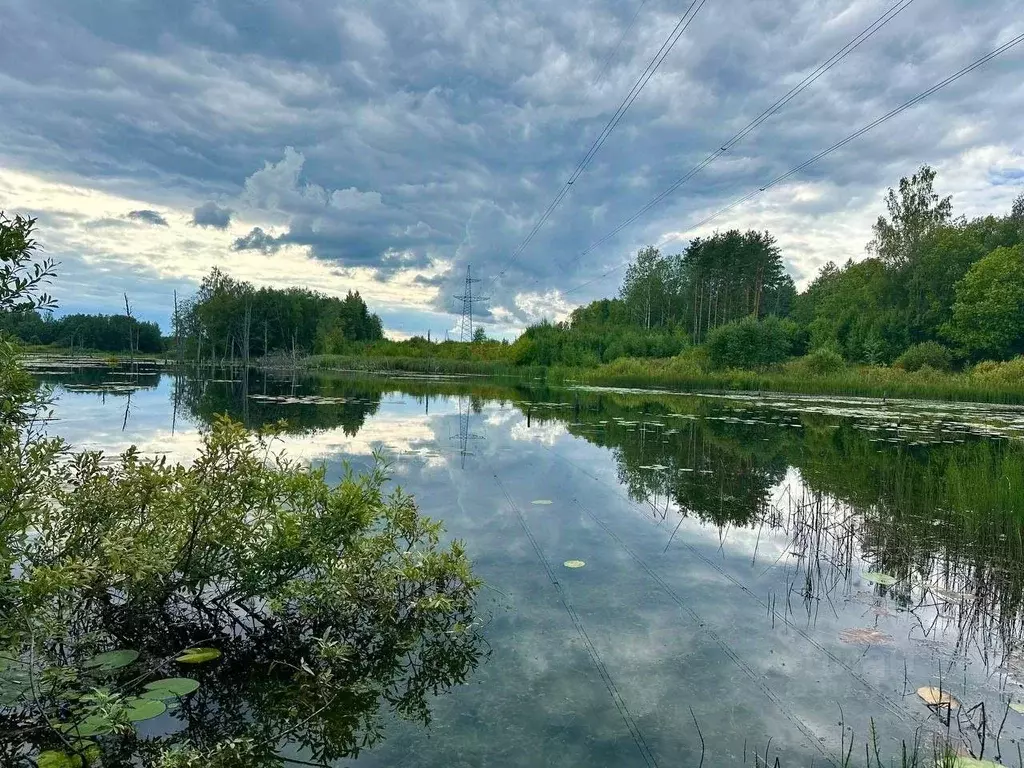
<point x="388" y="146"/>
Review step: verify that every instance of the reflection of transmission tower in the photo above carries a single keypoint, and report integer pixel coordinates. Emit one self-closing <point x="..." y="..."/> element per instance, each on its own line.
<point x="467" y="299"/>
<point x="465" y="408"/>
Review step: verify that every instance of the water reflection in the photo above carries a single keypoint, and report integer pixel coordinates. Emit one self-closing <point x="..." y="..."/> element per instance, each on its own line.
<point x="764" y="515"/>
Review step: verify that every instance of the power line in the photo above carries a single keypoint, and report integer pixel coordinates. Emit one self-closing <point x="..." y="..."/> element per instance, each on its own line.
<point x="838" y="145"/>
<point x="614" y="52"/>
<point x="777" y="106"/>
<point x="613" y="121"/>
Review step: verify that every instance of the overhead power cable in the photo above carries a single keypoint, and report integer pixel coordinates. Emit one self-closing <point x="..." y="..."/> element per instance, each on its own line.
<point x="645" y="77"/>
<point x="825" y="152"/>
<point x="774" y="108"/>
<point x="614" y="52"/>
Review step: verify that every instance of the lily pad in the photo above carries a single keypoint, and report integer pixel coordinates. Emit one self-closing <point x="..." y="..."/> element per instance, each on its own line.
<point x="93" y="725"/>
<point x="1017" y="706"/>
<point x="865" y="635"/>
<point x="111" y="660"/>
<point x="541" y="502"/>
<point x="198" y="655"/>
<point x="169" y="688"/>
<point x="574" y="563"/>
<point x="145" y="709"/>
<point x="935" y="697"/>
<point x="879" y="578"/>
<point x="971" y="762"/>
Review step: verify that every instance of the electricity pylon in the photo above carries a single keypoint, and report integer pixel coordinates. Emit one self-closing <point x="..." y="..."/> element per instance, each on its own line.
<point x="467" y="299"/>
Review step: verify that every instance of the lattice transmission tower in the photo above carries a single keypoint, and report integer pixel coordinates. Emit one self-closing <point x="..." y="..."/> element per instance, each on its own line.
<point x="467" y="299"/>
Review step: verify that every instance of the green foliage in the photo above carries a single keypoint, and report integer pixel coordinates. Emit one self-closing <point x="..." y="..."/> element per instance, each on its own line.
<point x="750" y="343"/>
<point x="993" y="373"/>
<point x="850" y="309"/>
<point x="301" y="605"/>
<point x="928" y="353"/>
<point x="824" y="361"/>
<point x="988" y="317"/>
<point x="715" y="281"/>
<point x="913" y="214"/>
<point x="352" y="581"/>
<point x="227" y="317"/>
<point x="22" y="274"/>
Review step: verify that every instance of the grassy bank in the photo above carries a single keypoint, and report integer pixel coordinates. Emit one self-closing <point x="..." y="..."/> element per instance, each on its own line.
<point x="386" y="365"/>
<point x="987" y="382"/>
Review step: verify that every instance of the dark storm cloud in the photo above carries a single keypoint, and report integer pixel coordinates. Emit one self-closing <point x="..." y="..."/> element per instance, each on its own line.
<point x="211" y="215"/>
<point x="401" y="134"/>
<point x="147" y="217"/>
<point x="256" y="240"/>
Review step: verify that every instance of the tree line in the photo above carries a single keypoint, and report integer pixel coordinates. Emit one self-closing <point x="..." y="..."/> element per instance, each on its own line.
<point x="225" y="319"/>
<point x="231" y="319"/>
<point x="106" y="333"/>
<point x="934" y="290"/>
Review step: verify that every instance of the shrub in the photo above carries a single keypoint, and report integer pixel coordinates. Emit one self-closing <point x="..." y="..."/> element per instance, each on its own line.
<point x="929" y="353"/>
<point x="1009" y="373"/>
<point x="823" y="362"/>
<point x="750" y="343"/>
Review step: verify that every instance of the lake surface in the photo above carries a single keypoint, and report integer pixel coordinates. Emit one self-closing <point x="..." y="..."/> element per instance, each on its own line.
<point x="760" y="575"/>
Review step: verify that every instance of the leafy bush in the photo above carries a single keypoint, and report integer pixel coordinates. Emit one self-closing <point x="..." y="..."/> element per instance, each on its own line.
<point x="750" y="343"/>
<point x="823" y="362"/>
<point x="929" y="353"/>
<point x="309" y="604"/>
<point x="1009" y="373"/>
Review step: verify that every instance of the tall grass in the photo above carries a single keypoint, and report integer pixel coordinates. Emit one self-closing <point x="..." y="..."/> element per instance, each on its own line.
<point x="388" y="365"/>
<point x="986" y="382"/>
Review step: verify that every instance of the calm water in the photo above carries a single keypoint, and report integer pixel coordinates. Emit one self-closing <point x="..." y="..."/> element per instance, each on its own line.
<point x="725" y="541"/>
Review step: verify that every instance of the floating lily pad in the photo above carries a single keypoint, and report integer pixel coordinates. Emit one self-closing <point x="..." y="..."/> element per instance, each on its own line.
<point x="93" y="725"/>
<point x="935" y="697"/>
<point x="541" y="502"/>
<point x="111" y="660"/>
<point x="144" y="709"/>
<point x="169" y="688"/>
<point x="971" y="762"/>
<point x="879" y="578"/>
<point x="198" y="655"/>
<point x="865" y="635"/>
<point x="1017" y="706"/>
<point x="574" y="563"/>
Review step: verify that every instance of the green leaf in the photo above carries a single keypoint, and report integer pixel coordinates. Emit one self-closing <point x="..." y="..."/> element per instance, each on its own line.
<point x="112" y="660"/>
<point x="144" y="709"/>
<point x="1017" y="706"/>
<point x="198" y="655"/>
<point x="53" y="759"/>
<point x="169" y="688"/>
<point x="94" y="725"/>
<point x="879" y="578"/>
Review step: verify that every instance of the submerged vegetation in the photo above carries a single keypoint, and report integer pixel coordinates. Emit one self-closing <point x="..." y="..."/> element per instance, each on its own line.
<point x="214" y="613"/>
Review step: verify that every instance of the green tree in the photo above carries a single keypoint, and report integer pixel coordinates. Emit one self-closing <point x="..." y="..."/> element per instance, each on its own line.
<point x="751" y="343"/>
<point x="479" y="335"/>
<point x="914" y="212"/>
<point x="23" y="274"/>
<point x="988" y="316"/>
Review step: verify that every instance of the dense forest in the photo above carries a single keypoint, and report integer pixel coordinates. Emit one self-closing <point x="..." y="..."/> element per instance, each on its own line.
<point x="226" y="319"/>
<point x="229" y="319"/>
<point x="106" y="333"/>
<point x="935" y="290"/>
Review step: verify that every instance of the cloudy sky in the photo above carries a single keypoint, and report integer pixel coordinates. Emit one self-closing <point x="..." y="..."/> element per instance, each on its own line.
<point x="386" y="145"/>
